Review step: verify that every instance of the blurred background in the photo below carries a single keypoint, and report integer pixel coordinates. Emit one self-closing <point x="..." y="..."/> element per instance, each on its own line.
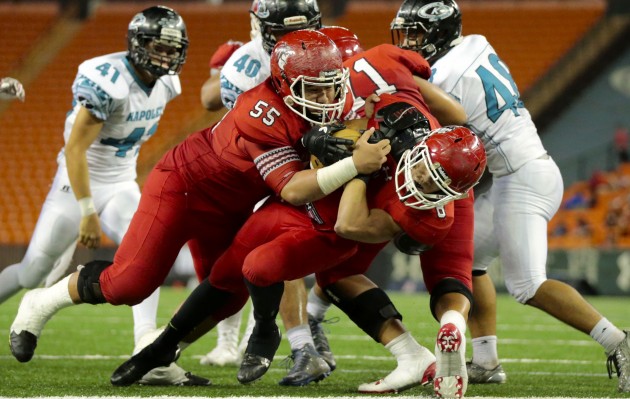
<point x="569" y="58"/>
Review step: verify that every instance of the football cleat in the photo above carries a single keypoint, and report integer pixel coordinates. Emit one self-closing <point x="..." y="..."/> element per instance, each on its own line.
<point x="619" y="359"/>
<point x="479" y="375"/>
<point x="405" y="376"/>
<point x="308" y="366"/>
<point x="226" y="351"/>
<point x="451" y="378"/>
<point x="321" y="342"/>
<point x="261" y="348"/>
<point x="140" y="364"/>
<point x="173" y="375"/>
<point x="31" y="317"/>
<point x="222" y="355"/>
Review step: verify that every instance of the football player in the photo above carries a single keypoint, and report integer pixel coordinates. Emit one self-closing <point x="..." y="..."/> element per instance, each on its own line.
<point x="386" y="69"/>
<point x="11" y="89"/>
<point x="118" y="100"/>
<point x="398" y="66"/>
<point x="511" y="218"/>
<point x="206" y="187"/>
<point x="247" y="66"/>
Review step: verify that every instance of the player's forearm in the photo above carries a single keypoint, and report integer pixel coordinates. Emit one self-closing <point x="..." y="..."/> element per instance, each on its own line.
<point x="355" y="221"/>
<point x="211" y="94"/>
<point x="78" y="172"/>
<point x="444" y="107"/>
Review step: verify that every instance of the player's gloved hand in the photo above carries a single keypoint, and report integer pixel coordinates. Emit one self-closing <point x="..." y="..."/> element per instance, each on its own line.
<point x="223" y="53"/>
<point x="319" y="141"/>
<point x="10" y="89"/>
<point x="404" y="125"/>
<point x="408" y="245"/>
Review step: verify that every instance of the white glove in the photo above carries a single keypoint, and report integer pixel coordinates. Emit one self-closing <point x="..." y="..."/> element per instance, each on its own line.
<point x="10" y="89"/>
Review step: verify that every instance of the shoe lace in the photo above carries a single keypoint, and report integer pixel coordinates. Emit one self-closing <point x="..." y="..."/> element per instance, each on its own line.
<point x="317" y="326"/>
<point x="611" y="364"/>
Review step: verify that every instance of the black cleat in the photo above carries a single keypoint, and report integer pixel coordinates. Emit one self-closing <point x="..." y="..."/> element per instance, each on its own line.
<point x="321" y="342"/>
<point x="308" y="366"/>
<point x="141" y="363"/>
<point x="195" y="381"/>
<point x="23" y="345"/>
<point x="260" y="350"/>
<point x="253" y="367"/>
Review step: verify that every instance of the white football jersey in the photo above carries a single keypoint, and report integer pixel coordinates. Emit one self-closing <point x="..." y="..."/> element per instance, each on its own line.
<point x="473" y="74"/>
<point x="110" y="89"/>
<point x="246" y="68"/>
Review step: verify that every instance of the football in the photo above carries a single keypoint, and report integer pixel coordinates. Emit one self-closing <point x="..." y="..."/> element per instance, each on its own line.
<point x="346" y="133"/>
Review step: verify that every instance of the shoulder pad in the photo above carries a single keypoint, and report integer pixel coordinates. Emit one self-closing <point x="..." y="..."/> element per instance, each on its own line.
<point x="109" y="73"/>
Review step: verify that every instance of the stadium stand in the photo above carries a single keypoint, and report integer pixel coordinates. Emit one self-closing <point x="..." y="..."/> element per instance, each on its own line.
<point x="32" y="132"/>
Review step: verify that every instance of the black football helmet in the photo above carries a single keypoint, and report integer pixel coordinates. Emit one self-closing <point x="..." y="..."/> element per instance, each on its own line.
<point x="439" y="21"/>
<point x="277" y="17"/>
<point x="157" y="41"/>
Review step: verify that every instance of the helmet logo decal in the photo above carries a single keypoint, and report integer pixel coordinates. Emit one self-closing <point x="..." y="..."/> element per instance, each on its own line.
<point x="435" y="11"/>
<point x="282" y="58"/>
<point x="260" y="9"/>
<point x="137" y="21"/>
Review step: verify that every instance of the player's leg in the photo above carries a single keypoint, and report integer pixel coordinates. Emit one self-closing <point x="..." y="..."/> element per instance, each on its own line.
<point x="120" y="204"/>
<point x="370" y="309"/>
<point x="265" y="270"/>
<point x="56" y="229"/>
<point x="212" y="300"/>
<point x="484" y="366"/>
<point x="140" y="265"/>
<point x="225" y="353"/>
<point x="525" y="265"/>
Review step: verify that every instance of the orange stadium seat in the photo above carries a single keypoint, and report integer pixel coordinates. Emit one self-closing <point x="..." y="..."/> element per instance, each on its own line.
<point x="32" y="132"/>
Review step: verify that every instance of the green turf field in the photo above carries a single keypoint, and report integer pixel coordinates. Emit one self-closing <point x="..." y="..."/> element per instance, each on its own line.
<point x="81" y="346"/>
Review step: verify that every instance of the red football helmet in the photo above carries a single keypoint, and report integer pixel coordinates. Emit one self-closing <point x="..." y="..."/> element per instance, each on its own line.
<point x="304" y="61"/>
<point x="455" y="159"/>
<point x="346" y="41"/>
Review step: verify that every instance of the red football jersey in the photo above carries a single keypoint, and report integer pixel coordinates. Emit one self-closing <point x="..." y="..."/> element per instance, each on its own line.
<point x="386" y="69"/>
<point x="248" y="155"/>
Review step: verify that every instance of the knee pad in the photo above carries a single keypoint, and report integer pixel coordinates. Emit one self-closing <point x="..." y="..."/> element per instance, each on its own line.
<point x="369" y="310"/>
<point x="88" y="283"/>
<point x="447" y="286"/>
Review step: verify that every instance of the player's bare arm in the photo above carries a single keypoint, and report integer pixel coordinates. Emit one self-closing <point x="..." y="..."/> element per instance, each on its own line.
<point x="444" y="107"/>
<point x="84" y="132"/>
<point x="211" y="93"/>
<point x="355" y="221"/>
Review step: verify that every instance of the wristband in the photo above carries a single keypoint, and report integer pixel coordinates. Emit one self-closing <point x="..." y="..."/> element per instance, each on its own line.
<point x="86" y="204"/>
<point x="336" y="175"/>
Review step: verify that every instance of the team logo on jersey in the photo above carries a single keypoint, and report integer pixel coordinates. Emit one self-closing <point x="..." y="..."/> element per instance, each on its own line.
<point x="435" y="11"/>
<point x="259" y="8"/>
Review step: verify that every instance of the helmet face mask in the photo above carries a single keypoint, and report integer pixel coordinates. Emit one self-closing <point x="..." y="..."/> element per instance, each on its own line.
<point x="438" y="21"/>
<point x="441" y="168"/>
<point x="306" y="66"/>
<point x="157" y="41"/>
<point x="272" y="19"/>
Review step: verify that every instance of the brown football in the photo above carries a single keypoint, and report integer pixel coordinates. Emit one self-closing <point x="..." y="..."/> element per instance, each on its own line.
<point x="349" y="134"/>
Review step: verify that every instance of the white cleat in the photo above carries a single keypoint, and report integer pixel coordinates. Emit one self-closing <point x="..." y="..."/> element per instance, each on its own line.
<point x="451" y="377"/>
<point x="31" y="317"/>
<point x="405" y="376"/>
<point x="172" y="374"/>
<point x="222" y="355"/>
